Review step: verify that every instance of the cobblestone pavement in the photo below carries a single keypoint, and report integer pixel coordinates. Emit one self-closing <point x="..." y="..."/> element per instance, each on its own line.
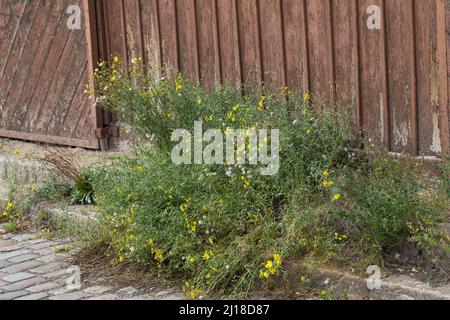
<point x="40" y="269"/>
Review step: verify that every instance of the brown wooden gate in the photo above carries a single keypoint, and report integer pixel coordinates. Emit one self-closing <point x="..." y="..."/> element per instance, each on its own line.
<point x="395" y="77"/>
<point x="44" y="67"/>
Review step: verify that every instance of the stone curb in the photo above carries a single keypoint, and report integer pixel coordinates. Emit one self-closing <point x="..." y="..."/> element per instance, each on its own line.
<point x="393" y="287"/>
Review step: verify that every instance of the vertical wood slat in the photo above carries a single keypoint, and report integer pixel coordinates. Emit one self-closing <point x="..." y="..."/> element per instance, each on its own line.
<point x="272" y="43"/>
<point x="208" y="42"/>
<point x="429" y="141"/>
<point x="249" y="41"/>
<point x="228" y="30"/>
<point x="402" y="79"/>
<point x="188" y="39"/>
<point x="169" y="33"/>
<point x="373" y="78"/>
<point x="320" y="45"/>
<point x="295" y="31"/>
<point x="443" y="44"/>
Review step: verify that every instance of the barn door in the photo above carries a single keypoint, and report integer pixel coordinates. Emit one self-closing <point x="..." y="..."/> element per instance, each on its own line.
<point x="45" y="61"/>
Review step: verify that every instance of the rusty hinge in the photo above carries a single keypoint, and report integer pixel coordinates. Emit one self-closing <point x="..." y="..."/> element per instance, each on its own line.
<point x="107" y="132"/>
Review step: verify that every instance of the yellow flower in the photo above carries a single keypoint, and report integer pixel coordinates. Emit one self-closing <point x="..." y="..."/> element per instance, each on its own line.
<point x="116" y="60"/>
<point x="16" y="153"/>
<point x="277" y="259"/>
<point x="207" y="255"/>
<point x="191" y="259"/>
<point x="326" y="173"/>
<point x="199" y="101"/>
<point x="336" y="197"/>
<point x="9" y="205"/>
<point x="261" y="103"/>
<point x="306" y="97"/>
<point x="159" y="255"/>
<point x="325" y="184"/>
<point x="330" y="184"/>
<point x="302" y="279"/>
<point x="263" y="274"/>
<point x="121" y="258"/>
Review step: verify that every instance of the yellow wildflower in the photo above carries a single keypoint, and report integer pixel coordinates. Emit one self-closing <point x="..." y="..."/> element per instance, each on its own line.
<point x="306" y="97"/>
<point x="16" y="153"/>
<point x="207" y="255"/>
<point x="336" y="197"/>
<point x="277" y="259"/>
<point x="326" y="173"/>
<point x="199" y="101"/>
<point x="261" y="103"/>
<point x="325" y="184"/>
<point x="263" y="274"/>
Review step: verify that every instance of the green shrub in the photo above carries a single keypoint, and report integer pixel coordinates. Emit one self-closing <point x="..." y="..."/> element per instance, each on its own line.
<point x="226" y="228"/>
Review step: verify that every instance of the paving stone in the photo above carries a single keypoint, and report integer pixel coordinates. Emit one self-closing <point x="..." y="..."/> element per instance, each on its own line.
<point x="12" y="254"/>
<point x="47" y="258"/>
<point x="97" y="290"/>
<point x="55" y="274"/>
<point x="43" y="245"/>
<point x="43" y="287"/>
<point x="27" y="265"/>
<point x="10" y="248"/>
<point x="128" y="291"/>
<point x="46" y="268"/>
<point x="24" y="237"/>
<point x="23" y="258"/>
<point x="7" y="243"/>
<point x="105" y="297"/>
<point x="163" y="293"/>
<point x="44" y="252"/>
<point x="21" y="285"/>
<point x="77" y="295"/>
<point x="18" y="277"/>
<point x="4" y="264"/>
<point x="34" y="296"/>
<point x="31" y="242"/>
<point x="12" y="295"/>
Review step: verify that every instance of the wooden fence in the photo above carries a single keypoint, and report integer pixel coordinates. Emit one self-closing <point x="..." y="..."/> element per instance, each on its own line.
<point x="395" y="77"/>
<point x="43" y="70"/>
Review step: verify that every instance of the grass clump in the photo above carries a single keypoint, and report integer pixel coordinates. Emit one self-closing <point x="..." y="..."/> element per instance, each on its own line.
<point x="227" y="228"/>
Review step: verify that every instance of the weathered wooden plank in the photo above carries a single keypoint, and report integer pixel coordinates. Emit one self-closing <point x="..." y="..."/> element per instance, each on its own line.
<point x="11" y="13"/>
<point x="150" y="34"/>
<point x="374" y="97"/>
<point x="296" y="47"/>
<point x="116" y="28"/>
<point x="15" y="54"/>
<point x="30" y="66"/>
<point x="187" y="37"/>
<point x="169" y="33"/>
<point x="400" y="42"/>
<point x="427" y="78"/>
<point x="272" y="43"/>
<point x="320" y="46"/>
<point x="208" y="42"/>
<point x="346" y="57"/>
<point x="443" y="45"/>
<point x="249" y="41"/>
<point x="229" y="41"/>
<point x="133" y="27"/>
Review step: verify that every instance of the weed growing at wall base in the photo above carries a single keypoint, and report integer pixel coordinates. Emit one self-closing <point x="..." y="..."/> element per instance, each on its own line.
<point x="228" y="227"/>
